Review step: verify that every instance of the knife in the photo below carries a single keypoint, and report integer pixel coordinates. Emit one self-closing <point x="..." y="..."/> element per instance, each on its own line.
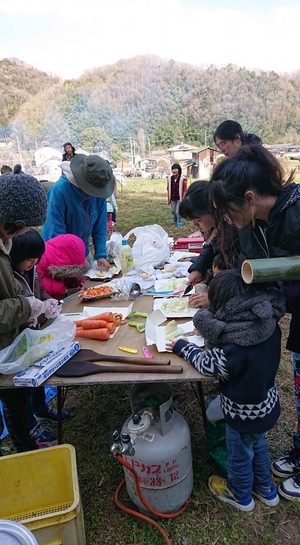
<point x="187" y="289"/>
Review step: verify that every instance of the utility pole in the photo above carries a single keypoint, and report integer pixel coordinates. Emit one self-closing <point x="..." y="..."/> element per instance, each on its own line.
<point x="205" y="137"/>
<point x="131" y="149"/>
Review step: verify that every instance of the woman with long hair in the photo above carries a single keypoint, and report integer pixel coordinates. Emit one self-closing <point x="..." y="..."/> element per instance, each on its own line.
<point x="249" y="192"/>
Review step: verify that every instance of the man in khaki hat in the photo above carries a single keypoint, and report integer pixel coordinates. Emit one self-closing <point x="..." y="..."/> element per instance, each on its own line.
<point x="77" y="203"/>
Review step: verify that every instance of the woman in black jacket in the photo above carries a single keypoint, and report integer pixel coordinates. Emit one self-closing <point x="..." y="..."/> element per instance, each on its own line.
<point x="248" y="192"/>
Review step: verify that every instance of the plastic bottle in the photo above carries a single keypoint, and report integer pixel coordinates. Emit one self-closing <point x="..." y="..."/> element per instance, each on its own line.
<point x="126" y="257"/>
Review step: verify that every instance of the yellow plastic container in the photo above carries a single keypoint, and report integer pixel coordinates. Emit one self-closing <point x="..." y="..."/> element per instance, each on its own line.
<point x="40" y="490"/>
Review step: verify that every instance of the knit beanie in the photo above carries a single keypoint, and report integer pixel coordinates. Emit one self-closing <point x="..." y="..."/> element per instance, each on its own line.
<point x="23" y="199"/>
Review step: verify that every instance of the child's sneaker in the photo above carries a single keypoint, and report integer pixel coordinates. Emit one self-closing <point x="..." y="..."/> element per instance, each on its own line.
<point x="269" y="498"/>
<point x="218" y="487"/>
<point x="43" y="437"/>
<point x="50" y="415"/>
<point x="288" y="464"/>
<point x="290" y="489"/>
<point x="179" y="224"/>
<point x="175" y="219"/>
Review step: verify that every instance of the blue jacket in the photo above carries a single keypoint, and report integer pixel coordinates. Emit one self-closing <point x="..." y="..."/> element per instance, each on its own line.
<point x="70" y="210"/>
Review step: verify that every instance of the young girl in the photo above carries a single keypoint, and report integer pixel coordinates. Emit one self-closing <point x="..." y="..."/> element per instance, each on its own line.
<point x="249" y="192"/>
<point x="112" y="209"/>
<point x="26" y="252"/>
<point x="62" y="265"/>
<point x="23" y="204"/>
<point x="241" y="329"/>
<point x="196" y="207"/>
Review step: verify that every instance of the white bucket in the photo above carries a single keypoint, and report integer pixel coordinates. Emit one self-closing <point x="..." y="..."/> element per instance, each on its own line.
<point x="14" y="533"/>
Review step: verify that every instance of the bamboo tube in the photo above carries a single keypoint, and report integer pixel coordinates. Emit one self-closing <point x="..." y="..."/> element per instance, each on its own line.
<point x="272" y="269"/>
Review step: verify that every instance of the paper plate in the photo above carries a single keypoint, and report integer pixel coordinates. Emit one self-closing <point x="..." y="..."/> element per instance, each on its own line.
<point x="88" y="294"/>
<point x="162" y="303"/>
<point x="95" y="274"/>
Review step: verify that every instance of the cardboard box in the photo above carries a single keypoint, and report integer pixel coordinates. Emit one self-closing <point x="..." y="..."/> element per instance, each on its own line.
<point x="156" y="334"/>
<point x="192" y="244"/>
<point x="41" y="370"/>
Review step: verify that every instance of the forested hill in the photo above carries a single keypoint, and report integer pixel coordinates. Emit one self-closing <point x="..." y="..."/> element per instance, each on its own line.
<point x="157" y="103"/>
<point x="18" y="83"/>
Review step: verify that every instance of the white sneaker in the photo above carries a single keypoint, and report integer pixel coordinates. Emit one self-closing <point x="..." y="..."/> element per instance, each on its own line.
<point x="290" y="489"/>
<point x="288" y="464"/>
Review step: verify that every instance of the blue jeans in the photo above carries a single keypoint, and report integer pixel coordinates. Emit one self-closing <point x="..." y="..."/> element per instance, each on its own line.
<point x="248" y="463"/>
<point x="174" y="206"/>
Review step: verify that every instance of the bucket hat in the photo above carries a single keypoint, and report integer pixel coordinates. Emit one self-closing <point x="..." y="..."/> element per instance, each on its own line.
<point x="93" y="175"/>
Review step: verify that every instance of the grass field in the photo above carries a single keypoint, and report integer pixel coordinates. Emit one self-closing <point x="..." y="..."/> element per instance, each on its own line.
<point x="96" y="411"/>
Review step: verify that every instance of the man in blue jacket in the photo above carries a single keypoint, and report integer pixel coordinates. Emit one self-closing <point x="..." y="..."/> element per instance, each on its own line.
<point x="77" y="203"/>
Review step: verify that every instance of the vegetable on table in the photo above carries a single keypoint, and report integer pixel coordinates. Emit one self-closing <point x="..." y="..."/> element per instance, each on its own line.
<point x="96" y="291"/>
<point x="101" y="334"/>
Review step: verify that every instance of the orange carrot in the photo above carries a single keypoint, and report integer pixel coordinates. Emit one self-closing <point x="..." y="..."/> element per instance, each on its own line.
<point x="111" y="327"/>
<point x="78" y="323"/>
<point x="107" y="316"/>
<point x="94" y="324"/>
<point x="101" y="334"/>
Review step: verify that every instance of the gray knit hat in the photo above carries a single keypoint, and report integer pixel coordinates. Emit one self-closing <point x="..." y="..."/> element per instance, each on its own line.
<point x="22" y="199"/>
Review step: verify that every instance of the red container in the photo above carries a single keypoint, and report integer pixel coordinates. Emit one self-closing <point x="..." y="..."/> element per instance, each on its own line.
<point x="192" y="244"/>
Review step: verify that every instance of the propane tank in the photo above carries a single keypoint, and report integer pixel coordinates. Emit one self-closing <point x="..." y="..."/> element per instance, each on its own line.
<point x="160" y="450"/>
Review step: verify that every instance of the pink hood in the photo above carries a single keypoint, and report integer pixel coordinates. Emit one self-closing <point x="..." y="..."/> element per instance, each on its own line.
<point x="63" y="251"/>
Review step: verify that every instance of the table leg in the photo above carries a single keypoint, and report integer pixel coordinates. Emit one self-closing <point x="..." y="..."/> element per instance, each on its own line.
<point x="59" y="420"/>
<point x="201" y="400"/>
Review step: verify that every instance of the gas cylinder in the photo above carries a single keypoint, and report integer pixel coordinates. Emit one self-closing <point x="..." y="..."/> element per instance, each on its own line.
<point x="161" y="453"/>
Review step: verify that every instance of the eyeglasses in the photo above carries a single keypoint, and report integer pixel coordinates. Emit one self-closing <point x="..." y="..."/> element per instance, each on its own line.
<point x="19" y="223"/>
<point x="221" y="145"/>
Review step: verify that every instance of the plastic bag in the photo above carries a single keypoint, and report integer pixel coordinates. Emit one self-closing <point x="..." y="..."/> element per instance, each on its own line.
<point x="114" y="244"/>
<point x="151" y="246"/>
<point x="31" y="345"/>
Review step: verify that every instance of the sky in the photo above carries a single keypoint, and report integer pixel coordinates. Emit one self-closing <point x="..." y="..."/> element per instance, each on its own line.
<point x="68" y="38"/>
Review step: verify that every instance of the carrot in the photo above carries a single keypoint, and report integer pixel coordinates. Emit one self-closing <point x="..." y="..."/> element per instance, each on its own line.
<point x="101" y="334"/>
<point x="107" y="316"/>
<point x="94" y="324"/>
<point x="118" y="318"/>
<point x="111" y="327"/>
<point x="92" y="292"/>
<point x="78" y="323"/>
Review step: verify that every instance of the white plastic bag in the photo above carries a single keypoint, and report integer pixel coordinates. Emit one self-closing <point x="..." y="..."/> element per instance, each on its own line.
<point x="31" y="345"/>
<point x="114" y="244"/>
<point x="151" y="246"/>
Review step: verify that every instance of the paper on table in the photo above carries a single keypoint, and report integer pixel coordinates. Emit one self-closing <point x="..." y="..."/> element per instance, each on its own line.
<point x="96" y="274"/>
<point x="93" y="311"/>
<point x="157" y="335"/>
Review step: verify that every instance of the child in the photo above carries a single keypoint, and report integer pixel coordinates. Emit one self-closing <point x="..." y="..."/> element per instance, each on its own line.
<point x="112" y="209"/>
<point x="26" y="252"/>
<point x="62" y="265"/>
<point x="23" y="204"/>
<point x="241" y="329"/>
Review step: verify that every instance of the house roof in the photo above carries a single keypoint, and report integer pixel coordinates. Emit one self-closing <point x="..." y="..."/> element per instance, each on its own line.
<point x="183" y="147"/>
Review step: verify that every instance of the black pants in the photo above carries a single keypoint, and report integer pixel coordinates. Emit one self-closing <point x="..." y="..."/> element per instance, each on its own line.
<point x="17" y="405"/>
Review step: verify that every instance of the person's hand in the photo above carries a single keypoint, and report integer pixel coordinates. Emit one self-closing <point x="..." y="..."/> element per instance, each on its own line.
<point x="102" y="262"/>
<point x="195" y="277"/>
<point x="37" y="307"/>
<point x="51" y="308"/>
<point x="199" y="300"/>
<point x="169" y="346"/>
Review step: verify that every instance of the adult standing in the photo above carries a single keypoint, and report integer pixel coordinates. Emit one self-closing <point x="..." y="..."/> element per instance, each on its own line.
<point x="77" y="203"/>
<point x="69" y="152"/>
<point x="249" y="190"/>
<point x="176" y="188"/>
<point x="230" y="137"/>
